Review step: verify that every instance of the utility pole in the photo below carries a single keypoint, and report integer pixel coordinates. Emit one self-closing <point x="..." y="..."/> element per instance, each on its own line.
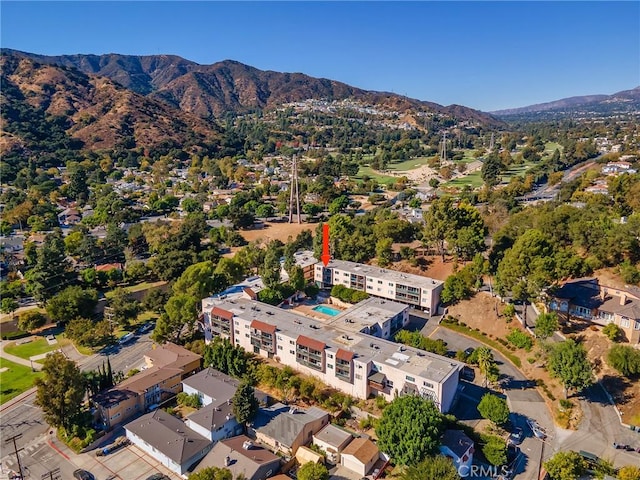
<point x="294" y="192"/>
<point x="16" y="450"/>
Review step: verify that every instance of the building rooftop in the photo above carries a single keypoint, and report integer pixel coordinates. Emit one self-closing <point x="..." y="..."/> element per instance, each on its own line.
<point x="363" y="449"/>
<point x="245" y="457"/>
<point x="335" y="336"/>
<point x="214" y="384"/>
<point x="169" y="435"/>
<point x="457" y="441"/>
<point x="366" y="313"/>
<point x="333" y="435"/>
<point x="171" y="355"/>
<point x="286" y="427"/>
<point x="390" y="275"/>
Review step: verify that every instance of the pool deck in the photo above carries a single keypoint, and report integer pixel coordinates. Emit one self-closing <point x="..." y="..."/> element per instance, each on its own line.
<point x="308" y="311"/>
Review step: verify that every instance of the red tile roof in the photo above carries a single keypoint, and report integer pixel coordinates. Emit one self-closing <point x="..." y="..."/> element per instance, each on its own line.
<point x="263" y="327"/>
<point x="222" y="313"/>
<point x="345" y="355"/>
<point x="108" y="266"/>
<point x="311" y="343"/>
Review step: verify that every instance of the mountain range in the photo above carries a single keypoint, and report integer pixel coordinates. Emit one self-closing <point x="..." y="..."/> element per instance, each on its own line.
<point x="229" y="86"/>
<point x="620" y="102"/>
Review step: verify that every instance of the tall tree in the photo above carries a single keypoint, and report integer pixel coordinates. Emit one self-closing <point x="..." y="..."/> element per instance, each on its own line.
<point x="72" y="302"/>
<point x="180" y="310"/>
<point x="436" y="467"/>
<point x="212" y="473"/>
<point x="565" y="466"/>
<point x="60" y="391"/>
<point x="271" y="269"/>
<point x="568" y="361"/>
<point x="198" y="280"/>
<point x="245" y="403"/>
<point x="438" y="223"/>
<point x="546" y="325"/>
<point x="409" y="429"/>
<point x="494" y="408"/>
<point x="313" y="471"/>
<point x="124" y="307"/>
<point x="51" y="271"/>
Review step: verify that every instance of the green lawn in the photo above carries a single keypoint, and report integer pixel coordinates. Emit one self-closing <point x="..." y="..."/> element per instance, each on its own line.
<point x="473" y="180"/>
<point x="384" y="179"/>
<point x="35" y="347"/>
<point x="408" y="164"/>
<point x="15" y="380"/>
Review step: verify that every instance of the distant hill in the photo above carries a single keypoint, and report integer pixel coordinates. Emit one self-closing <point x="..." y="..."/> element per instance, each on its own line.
<point x="211" y="90"/>
<point x="47" y="108"/>
<point x="621" y="102"/>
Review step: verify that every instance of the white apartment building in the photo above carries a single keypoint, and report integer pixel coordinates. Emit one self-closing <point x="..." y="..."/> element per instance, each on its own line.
<point x="416" y="290"/>
<point x="336" y="350"/>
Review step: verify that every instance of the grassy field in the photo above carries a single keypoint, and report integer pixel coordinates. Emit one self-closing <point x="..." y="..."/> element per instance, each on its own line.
<point x="15" y="380"/>
<point x="35" y="347"/>
<point x="382" y="179"/>
<point x="473" y="180"/>
<point x="408" y="164"/>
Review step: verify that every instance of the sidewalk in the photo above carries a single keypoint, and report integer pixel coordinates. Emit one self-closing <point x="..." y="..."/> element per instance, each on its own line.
<point x="18" y="360"/>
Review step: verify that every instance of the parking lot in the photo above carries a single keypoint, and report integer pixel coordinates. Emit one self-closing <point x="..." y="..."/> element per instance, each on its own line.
<point x="128" y="463"/>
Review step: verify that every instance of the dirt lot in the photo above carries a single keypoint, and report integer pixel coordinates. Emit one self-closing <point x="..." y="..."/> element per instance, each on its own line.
<point x="277" y="231"/>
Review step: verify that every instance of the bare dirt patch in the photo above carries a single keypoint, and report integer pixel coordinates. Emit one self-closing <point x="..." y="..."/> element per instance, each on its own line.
<point x="276" y="231"/>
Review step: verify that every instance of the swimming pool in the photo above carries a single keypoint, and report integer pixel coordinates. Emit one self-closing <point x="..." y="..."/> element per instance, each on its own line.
<point x="326" y="310"/>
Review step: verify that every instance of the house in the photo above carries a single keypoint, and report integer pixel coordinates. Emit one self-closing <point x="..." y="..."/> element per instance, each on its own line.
<point x="288" y="430"/>
<point x="69" y="217"/>
<point x="360" y="456"/>
<point x="455" y="445"/>
<point x="333" y="441"/>
<point x="585" y="298"/>
<point x="168" y="440"/>
<point x="107" y="267"/>
<point x="167" y="366"/>
<point x="215" y="420"/>
<point x="242" y="457"/>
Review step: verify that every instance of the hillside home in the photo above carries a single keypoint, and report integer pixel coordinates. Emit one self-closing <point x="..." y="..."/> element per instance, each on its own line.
<point x="360" y="456"/>
<point x="288" y="430"/>
<point x="587" y="299"/>
<point x="332" y="440"/>
<point x="243" y="457"/>
<point x="168" y="440"/>
<point x="455" y="445"/>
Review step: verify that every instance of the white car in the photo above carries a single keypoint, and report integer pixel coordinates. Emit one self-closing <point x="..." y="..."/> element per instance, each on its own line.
<point x="537" y="430"/>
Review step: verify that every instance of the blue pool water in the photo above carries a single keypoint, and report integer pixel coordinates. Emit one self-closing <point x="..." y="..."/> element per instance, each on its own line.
<point x="326" y="310"/>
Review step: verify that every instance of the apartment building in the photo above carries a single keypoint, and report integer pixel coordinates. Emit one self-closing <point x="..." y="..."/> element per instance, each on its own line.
<point x="415" y="290"/>
<point x="341" y="353"/>
<point x="585" y="298"/>
<point x="168" y="365"/>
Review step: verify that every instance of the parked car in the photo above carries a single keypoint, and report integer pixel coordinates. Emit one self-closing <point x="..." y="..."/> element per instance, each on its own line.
<point x="146" y="327"/>
<point x="469" y="351"/>
<point x="80" y="474"/>
<point x="116" y="445"/>
<point x="467" y="373"/>
<point x="158" y="476"/>
<point x="516" y="437"/>
<point x="537" y="430"/>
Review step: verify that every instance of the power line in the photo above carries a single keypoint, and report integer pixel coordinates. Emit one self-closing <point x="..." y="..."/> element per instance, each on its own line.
<point x="16" y="450"/>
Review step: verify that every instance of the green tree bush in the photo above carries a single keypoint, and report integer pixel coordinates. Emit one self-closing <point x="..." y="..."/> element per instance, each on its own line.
<point x="494" y="408"/>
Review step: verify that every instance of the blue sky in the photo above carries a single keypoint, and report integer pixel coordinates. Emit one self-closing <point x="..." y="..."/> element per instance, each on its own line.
<point x="486" y="55"/>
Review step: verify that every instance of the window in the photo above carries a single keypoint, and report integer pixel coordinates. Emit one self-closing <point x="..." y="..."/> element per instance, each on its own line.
<point x="279" y="338"/>
<point x="391" y="284"/>
<point x="291" y="342"/>
<point x="246" y="335"/>
<point x="389" y="383"/>
<point x="279" y="347"/>
<point x="427" y="384"/>
<point x="237" y="332"/>
<point x="358" y="376"/>
<point x="410" y="379"/>
<point x="624" y="322"/>
<point x="292" y="352"/>
<point x="379" y="282"/>
<point x="330" y="366"/>
<point x="369" y="287"/>
<point x="329" y="355"/>
<point x="637" y="326"/>
<point x="345" y="274"/>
